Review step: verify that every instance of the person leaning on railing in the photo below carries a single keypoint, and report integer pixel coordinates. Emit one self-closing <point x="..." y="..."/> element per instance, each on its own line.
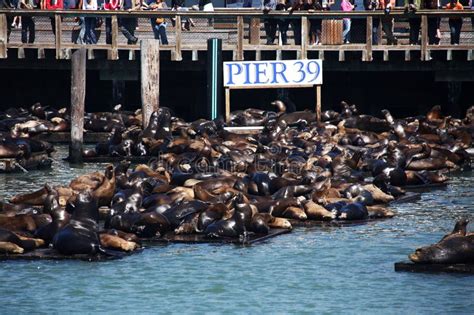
<point x="89" y="21"/>
<point x="387" y="20"/>
<point x="8" y="5"/>
<point x="109" y="5"/>
<point x="128" y="25"/>
<point x="28" y="23"/>
<point x="411" y="6"/>
<point x="315" y="25"/>
<point x="52" y="5"/>
<point x="270" y="24"/>
<point x="455" y="23"/>
<point x="298" y="5"/>
<point x="346" y="6"/>
<point x="283" y="22"/>
<point x="433" y="22"/>
<point x="158" y="24"/>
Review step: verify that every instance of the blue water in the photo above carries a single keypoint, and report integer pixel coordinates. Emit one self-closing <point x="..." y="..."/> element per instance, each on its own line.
<point x="323" y="270"/>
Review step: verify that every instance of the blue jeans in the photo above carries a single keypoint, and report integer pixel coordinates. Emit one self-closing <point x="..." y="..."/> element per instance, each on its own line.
<point x="455" y="28"/>
<point x="89" y="33"/>
<point x="346" y="33"/>
<point x="375" y="31"/>
<point x="159" y="30"/>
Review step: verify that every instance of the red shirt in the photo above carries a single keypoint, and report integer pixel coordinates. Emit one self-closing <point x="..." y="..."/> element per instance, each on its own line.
<point x="111" y="4"/>
<point x="53" y="4"/>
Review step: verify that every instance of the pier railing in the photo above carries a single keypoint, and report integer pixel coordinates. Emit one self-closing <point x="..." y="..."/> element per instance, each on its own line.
<point x="242" y="32"/>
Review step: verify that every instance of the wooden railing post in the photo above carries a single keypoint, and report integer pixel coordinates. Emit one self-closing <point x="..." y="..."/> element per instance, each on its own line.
<point x="240" y="38"/>
<point x="304" y="37"/>
<point x="177" y="50"/>
<point x="58" y="36"/>
<point x="113" y="55"/>
<point x="424" y="37"/>
<point x="368" y="47"/>
<point x="150" y="78"/>
<point x="254" y="31"/>
<point x="78" y="96"/>
<point x="3" y="35"/>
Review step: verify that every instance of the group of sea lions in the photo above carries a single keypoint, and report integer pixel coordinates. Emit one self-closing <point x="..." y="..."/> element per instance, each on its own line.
<point x="205" y="180"/>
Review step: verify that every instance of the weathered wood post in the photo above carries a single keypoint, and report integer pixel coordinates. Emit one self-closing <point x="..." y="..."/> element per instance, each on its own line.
<point x="3" y="35"/>
<point x="150" y="77"/>
<point x="78" y="96"/>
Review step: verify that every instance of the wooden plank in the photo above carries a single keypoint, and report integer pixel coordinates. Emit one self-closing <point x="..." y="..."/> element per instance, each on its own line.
<point x="195" y="55"/>
<point x="304" y="37"/>
<point x="227" y="105"/>
<point x="3" y="36"/>
<point x="258" y="55"/>
<point x="90" y="54"/>
<point x="434" y="268"/>
<point x="407" y="55"/>
<point x="342" y="56"/>
<point x="41" y="54"/>
<point x="177" y="52"/>
<point x="150" y="78"/>
<point x="240" y="38"/>
<point x="21" y="53"/>
<point x="424" y="36"/>
<point x="368" y="44"/>
<point x="321" y="54"/>
<point x="58" y="37"/>
<point x="470" y="55"/>
<point x="78" y="96"/>
<point x="449" y="55"/>
<point x="385" y="55"/>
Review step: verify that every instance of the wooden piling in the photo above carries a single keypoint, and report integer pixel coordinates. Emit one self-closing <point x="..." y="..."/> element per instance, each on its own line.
<point x="150" y="77"/>
<point x="3" y="36"/>
<point x="78" y="96"/>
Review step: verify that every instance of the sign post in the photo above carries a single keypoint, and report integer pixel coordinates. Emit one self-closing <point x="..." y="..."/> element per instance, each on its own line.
<point x="273" y="74"/>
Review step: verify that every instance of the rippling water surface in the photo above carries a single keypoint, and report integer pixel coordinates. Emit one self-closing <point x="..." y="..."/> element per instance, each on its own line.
<point x="331" y="270"/>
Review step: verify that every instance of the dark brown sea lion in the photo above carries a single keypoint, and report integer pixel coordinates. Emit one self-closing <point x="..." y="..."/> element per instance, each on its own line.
<point x="80" y="236"/>
<point x="456" y="248"/>
<point x="23" y="243"/>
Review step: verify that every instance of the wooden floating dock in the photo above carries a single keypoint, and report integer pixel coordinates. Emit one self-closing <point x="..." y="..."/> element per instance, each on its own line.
<point x="408" y="197"/>
<point x="170" y="237"/>
<point x="425" y="187"/>
<point x="52" y="254"/>
<point x="434" y="268"/>
<point x="38" y="160"/>
<point x="65" y="137"/>
<point x="333" y="223"/>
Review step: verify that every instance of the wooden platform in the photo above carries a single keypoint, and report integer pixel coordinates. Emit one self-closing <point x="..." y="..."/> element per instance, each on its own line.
<point x="38" y="160"/>
<point x="333" y="223"/>
<point x="115" y="159"/>
<point x="170" y="237"/>
<point x="65" y="137"/>
<point x="434" y="268"/>
<point x="52" y="254"/>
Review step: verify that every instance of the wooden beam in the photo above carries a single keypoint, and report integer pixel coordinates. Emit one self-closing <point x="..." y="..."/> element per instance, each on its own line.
<point x="321" y="54"/>
<point x="304" y="37"/>
<point x="368" y="44"/>
<point x="78" y="96"/>
<point x="41" y="53"/>
<point x="240" y="38"/>
<point x="342" y="56"/>
<point x="318" y="103"/>
<point x="470" y="55"/>
<point x="278" y="54"/>
<point x="227" y="105"/>
<point x="195" y="55"/>
<point x="407" y="55"/>
<point x="3" y="36"/>
<point x="177" y="51"/>
<point x="112" y="54"/>
<point x="258" y="55"/>
<point x="150" y="78"/>
<point x="21" y="53"/>
<point x="385" y="55"/>
<point x="424" y="37"/>
<point x="58" y="37"/>
<point x="90" y="54"/>
<point x="449" y="55"/>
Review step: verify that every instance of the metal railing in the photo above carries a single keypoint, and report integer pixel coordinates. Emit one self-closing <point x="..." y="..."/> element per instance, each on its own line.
<point x="243" y="30"/>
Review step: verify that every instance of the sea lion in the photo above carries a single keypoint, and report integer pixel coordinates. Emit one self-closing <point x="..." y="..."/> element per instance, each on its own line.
<point x="25" y="243"/>
<point x="317" y="212"/>
<point x="352" y="211"/>
<point x="116" y="242"/>
<point x="80" y="236"/>
<point x="456" y="248"/>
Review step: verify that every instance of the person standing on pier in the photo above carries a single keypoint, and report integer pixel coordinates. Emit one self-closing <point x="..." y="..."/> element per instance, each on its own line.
<point x="433" y="22"/>
<point x="283" y="22"/>
<point x="387" y="20"/>
<point x="109" y="5"/>
<point x="128" y="25"/>
<point x="270" y="23"/>
<point x="158" y="25"/>
<point x="455" y="23"/>
<point x="52" y="5"/>
<point x="411" y="6"/>
<point x="28" y="24"/>
<point x="7" y="5"/>
<point x="346" y="6"/>
<point x="89" y="21"/>
<point x="298" y="5"/>
<point x="315" y="25"/>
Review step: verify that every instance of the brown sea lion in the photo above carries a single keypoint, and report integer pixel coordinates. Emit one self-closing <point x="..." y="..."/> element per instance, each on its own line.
<point x="116" y="242"/>
<point x="317" y="212"/>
